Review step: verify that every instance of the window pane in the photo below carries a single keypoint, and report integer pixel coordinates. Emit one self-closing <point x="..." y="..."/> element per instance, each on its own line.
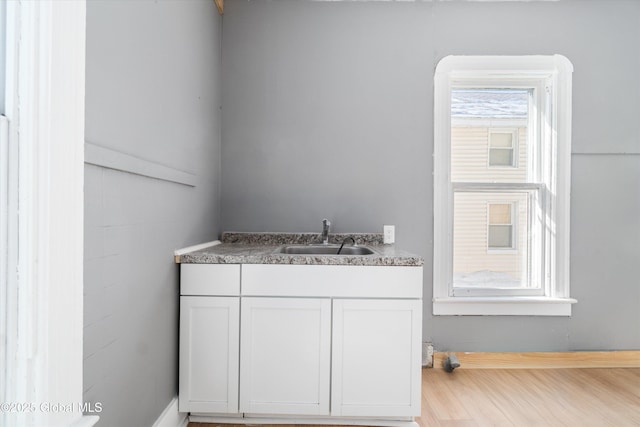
<point x="500" y="236"/>
<point x="489" y="127"/>
<point x="500" y="157"/>
<point x="501" y="140"/>
<point x="491" y="243"/>
<point x="499" y="213"/>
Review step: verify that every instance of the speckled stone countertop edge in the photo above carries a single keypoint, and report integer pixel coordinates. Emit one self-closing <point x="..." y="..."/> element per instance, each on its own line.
<point x="267" y="238"/>
<point x="263" y="248"/>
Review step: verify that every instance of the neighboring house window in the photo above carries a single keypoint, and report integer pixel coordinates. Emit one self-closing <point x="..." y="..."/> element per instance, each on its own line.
<point x="502" y="147"/>
<point x="501" y="192"/>
<point x="500" y="228"/>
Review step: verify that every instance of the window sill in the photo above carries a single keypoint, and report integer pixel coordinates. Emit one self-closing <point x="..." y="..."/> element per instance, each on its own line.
<point x="502" y="306"/>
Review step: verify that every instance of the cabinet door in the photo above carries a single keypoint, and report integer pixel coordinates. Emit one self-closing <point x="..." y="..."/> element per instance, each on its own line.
<point x="285" y="358"/>
<point x="376" y="360"/>
<point x="209" y="353"/>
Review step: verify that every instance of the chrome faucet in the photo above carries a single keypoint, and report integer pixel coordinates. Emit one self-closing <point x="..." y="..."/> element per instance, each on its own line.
<point x="325" y="231"/>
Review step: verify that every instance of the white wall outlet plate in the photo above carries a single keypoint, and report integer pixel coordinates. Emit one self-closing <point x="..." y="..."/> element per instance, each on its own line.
<point x="389" y="234"/>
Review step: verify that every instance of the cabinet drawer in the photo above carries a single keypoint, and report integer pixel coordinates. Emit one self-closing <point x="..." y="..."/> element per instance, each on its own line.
<point x="210" y="279"/>
<point x="332" y="281"/>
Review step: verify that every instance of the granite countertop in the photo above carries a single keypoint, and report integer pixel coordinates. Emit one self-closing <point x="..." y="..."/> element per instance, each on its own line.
<point x="262" y="248"/>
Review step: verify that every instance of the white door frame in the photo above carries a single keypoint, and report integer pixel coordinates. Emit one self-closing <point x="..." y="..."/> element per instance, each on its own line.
<point x="42" y="286"/>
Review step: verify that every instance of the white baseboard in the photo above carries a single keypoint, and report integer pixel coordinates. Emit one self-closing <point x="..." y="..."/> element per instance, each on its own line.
<point x="543" y="360"/>
<point x="258" y="420"/>
<point x="171" y="417"/>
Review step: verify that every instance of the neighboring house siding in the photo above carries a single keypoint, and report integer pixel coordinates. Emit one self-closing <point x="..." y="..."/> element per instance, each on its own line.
<point x="469" y="156"/>
<point x="470" y="235"/>
<point x="469" y="163"/>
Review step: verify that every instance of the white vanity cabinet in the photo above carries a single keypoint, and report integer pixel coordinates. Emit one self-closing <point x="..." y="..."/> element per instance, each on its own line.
<point x="320" y="343"/>
<point x="376" y="357"/>
<point x="209" y="338"/>
<point x="285" y="358"/>
<point x="376" y="328"/>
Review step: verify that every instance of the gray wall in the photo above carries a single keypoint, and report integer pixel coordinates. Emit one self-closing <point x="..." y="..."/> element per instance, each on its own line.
<point x="328" y="112"/>
<point x="152" y="93"/>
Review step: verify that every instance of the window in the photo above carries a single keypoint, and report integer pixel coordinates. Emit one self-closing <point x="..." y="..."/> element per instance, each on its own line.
<point x="501" y="196"/>
<point x="500" y="228"/>
<point x="502" y="147"/>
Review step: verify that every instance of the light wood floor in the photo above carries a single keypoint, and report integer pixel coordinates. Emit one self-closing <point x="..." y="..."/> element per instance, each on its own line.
<point x="528" y="397"/>
<point x="531" y="397"/>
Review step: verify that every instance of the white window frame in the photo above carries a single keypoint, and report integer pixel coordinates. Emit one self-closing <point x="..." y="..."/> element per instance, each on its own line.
<point x="41" y="193"/>
<point x="550" y="76"/>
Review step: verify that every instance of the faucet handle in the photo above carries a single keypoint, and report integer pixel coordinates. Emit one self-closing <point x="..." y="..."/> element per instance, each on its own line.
<point x="326" y="222"/>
